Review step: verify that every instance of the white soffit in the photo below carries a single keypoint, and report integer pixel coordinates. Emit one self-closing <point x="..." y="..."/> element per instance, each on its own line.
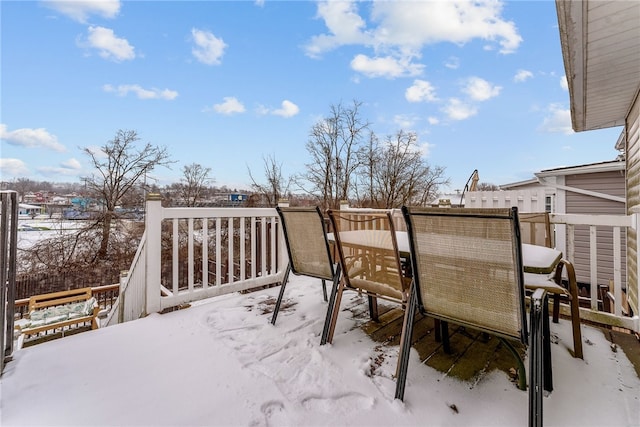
<point x="601" y="50"/>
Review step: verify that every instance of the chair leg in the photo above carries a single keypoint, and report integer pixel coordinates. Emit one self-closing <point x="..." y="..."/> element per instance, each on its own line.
<point x="546" y="348"/>
<point x="280" y="295"/>
<point x="405" y="343"/>
<point x="556" y="297"/>
<point x="574" y="304"/>
<point x="446" y="344"/>
<point x="324" y="290"/>
<point x="327" y="321"/>
<point x="373" y="307"/>
<point x="556" y="308"/>
<point x="539" y="317"/>
<point x="334" y="312"/>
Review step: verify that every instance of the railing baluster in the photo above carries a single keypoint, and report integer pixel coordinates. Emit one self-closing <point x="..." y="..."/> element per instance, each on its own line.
<point x="218" y="251"/>
<point x="243" y="252"/>
<point x="254" y="247"/>
<point x="190" y="255"/>
<point x="593" y="267"/>
<point x="617" y="272"/>
<point x="175" y="257"/>
<point x="205" y="253"/>
<point x="263" y="245"/>
<point x="230" y="239"/>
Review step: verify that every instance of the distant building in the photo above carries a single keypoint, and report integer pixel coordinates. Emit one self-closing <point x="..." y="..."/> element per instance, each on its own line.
<point x="30" y="211"/>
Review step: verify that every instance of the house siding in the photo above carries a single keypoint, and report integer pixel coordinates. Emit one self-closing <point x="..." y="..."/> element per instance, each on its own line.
<point x="611" y="183"/>
<point x="632" y="127"/>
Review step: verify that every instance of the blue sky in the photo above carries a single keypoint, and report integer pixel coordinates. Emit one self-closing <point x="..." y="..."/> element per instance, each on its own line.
<point x="226" y="84"/>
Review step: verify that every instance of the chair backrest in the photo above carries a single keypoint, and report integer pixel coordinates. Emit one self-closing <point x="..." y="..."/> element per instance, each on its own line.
<point x="535" y="228"/>
<point x="467" y="267"/>
<point x="306" y="241"/>
<point x="368" y="251"/>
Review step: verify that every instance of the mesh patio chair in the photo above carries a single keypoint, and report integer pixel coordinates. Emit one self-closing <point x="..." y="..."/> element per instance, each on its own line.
<point x="371" y="264"/>
<point x="308" y="250"/>
<point x="467" y="269"/>
<point x="536" y="230"/>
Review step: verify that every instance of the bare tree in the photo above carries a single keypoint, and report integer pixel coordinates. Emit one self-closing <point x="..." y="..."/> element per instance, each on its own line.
<point x="335" y="146"/>
<point x="119" y="166"/>
<point x="193" y="183"/>
<point x="370" y="159"/>
<point x="487" y="186"/>
<point x="276" y="186"/>
<point x="398" y="174"/>
<point x="23" y="186"/>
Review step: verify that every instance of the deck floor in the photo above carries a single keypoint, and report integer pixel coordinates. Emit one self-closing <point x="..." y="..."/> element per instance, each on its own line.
<point x="473" y="354"/>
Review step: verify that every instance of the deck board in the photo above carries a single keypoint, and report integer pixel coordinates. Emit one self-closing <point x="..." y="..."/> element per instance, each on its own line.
<point x="473" y="354"/>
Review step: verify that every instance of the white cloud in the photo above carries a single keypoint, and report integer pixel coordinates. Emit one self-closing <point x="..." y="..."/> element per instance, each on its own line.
<point x="141" y="93"/>
<point x="97" y="152"/>
<point x="433" y="120"/>
<point x="13" y="168"/>
<point x="80" y="10"/>
<point x="288" y="109"/>
<point x="404" y="121"/>
<point x="458" y="110"/>
<point x="31" y="138"/>
<point x="70" y="167"/>
<point x="109" y="46"/>
<point x="563" y="83"/>
<point x="408" y="26"/>
<point x="421" y="91"/>
<point x="72" y="163"/>
<point x="480" y="90"/>
<point x="344" y="24"/>
<point x="558" y="120"/>
<point x="452" y="63"/>
<point x="209" y="49"/>
<point x="522" y="75"/>
<point x="387" y="66"/>
<point x="425" y="149"/>
<point x="230" y="106"/>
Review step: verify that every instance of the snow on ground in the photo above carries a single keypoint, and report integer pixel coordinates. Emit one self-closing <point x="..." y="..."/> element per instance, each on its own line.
<point x="220" y="362"/>
<point x="31" y="231"/>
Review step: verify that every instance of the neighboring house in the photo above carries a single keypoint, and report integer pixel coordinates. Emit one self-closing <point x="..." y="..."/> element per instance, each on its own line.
<point x="601" y="51"/>
<point x="597" y="188"/>
<point x="28" y="211"/>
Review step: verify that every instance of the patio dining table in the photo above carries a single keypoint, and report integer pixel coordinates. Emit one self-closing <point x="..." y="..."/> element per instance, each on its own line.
<point x="536" y="259"/>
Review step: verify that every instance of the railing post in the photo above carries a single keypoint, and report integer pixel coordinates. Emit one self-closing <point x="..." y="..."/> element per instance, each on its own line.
<point x="153" y="261"/>
<point x="344" y="204"/>
<point x="121" y="295"/>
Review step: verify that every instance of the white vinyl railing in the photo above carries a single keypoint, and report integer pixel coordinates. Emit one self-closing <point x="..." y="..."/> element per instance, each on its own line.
<point x="565" y="226"/>
<point x="130" y="304"/>
<point x="189" y="254"/>
<point x="198" y="253"/>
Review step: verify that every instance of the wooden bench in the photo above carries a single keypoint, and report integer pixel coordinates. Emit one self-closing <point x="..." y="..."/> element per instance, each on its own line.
<point x="58" y="310"/>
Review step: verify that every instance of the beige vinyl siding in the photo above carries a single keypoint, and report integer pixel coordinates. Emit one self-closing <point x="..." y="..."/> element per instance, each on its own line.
<point x="632" y="127"/>
<point x="611" y="183"/>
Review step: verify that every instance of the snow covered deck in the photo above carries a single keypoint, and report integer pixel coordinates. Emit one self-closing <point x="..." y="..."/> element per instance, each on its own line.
<point x="220" y="362"/>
